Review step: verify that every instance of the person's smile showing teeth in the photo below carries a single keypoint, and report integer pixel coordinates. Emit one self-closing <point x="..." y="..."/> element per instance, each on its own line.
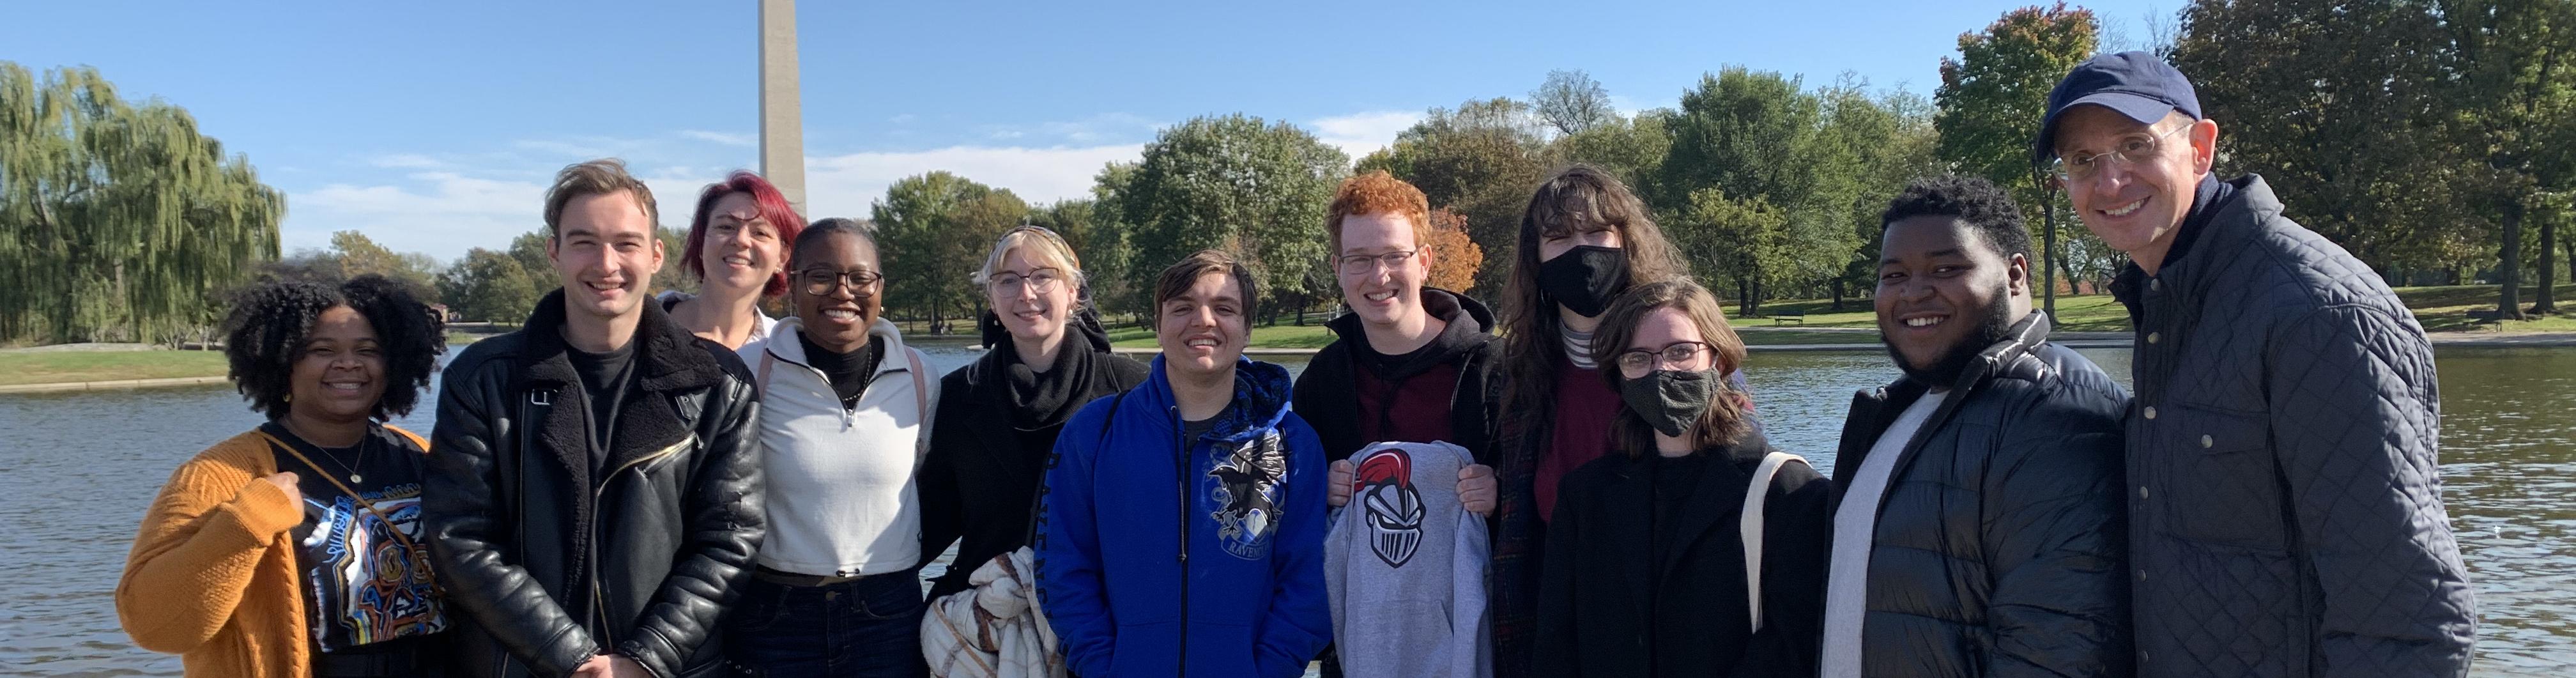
<point x="2125" y="210"/>
<point x="1923" y="321"/>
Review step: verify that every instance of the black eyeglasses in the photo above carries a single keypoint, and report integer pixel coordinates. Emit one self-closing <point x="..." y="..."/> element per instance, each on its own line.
<point x="1636" y="362"/>
<point x="1041" y="281"/>
<point x="1367" y="263"/>
<point x="822" y="281"/>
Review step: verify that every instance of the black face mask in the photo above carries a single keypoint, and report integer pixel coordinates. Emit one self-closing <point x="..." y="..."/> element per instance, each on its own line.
<point x="1585" y="278"/>
<point x="1671" y="400"/>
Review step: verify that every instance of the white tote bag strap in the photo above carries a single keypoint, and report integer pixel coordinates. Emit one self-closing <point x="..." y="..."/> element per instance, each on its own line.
<point x="1752" y="528"/>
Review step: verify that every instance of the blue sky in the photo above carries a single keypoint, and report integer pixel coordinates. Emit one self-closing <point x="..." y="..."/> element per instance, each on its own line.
<point x="433" y="127"/>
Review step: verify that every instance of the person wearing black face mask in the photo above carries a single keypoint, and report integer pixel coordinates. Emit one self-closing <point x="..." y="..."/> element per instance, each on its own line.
<point x="1982" y="527"/>
<point x="1694" y="548"/>
<point x="1584" y="239"/>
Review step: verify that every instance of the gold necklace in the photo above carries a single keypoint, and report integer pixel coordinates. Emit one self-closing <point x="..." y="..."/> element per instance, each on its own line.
<point x="328" y="454"/>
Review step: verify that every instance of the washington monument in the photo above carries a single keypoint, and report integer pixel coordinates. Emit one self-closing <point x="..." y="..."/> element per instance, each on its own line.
<point x="782" y="127"/>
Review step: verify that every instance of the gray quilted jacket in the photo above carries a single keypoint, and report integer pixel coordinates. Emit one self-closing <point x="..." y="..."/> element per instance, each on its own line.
<point x="2286" y="510"/>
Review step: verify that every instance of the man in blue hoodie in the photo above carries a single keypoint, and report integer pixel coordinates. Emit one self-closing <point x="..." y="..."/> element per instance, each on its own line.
<point x="1182" y="524"/>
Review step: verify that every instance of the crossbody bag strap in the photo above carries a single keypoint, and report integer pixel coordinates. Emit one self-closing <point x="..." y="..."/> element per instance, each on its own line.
<point x="1754" y="494"/>
<point x="419" y="556"/>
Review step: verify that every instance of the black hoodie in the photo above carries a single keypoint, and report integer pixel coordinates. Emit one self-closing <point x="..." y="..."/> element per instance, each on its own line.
<point x="1451" y="371"/>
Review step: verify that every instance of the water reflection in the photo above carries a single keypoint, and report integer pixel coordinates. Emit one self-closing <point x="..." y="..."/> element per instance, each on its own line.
<point x="77" y="469"/>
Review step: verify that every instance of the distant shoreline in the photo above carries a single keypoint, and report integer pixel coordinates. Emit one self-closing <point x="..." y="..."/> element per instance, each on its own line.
<point x="115" y="367"/>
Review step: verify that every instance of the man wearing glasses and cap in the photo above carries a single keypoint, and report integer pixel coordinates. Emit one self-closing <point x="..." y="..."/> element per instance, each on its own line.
<point x="2285" y="499"/>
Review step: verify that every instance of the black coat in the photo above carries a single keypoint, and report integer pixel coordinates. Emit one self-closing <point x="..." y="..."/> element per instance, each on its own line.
<point x="1999" y="548"/>
<point x="980" y="479"/>
<point x="547" y="564"/>
<point x="1600" y="613"/>
<point x="2288" y="512"/>
<point x="1327" y="392"/>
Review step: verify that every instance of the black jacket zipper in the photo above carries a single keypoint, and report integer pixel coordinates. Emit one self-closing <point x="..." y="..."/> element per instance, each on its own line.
<point x="1181" y="481"/>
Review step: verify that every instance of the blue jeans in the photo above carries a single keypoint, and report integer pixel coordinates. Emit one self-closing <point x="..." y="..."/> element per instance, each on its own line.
<point x="868" y="628"/>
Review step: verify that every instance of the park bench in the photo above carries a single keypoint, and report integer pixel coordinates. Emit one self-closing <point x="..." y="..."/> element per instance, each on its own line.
<point x="2486" y="315"/>
<point x="1779" y="318"/>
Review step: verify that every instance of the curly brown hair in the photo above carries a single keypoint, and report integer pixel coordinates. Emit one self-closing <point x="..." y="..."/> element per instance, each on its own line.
<point x="269" y="322"/>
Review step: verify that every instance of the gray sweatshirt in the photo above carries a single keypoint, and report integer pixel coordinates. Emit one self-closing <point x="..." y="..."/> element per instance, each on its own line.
<point x="1404" y="567"/>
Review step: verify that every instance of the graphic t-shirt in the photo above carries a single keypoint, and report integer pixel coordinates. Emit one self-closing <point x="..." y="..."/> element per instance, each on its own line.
<point x="362" y="585"/>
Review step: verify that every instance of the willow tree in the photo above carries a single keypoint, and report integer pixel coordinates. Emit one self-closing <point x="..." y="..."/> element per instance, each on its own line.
<point x="118" y="219"/>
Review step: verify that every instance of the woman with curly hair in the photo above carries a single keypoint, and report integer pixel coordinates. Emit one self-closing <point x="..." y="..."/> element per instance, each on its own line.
<point x="294" y="549"/>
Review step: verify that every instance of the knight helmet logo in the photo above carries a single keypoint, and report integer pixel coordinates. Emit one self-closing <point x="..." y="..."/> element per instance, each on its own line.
<point x="1384" y="484"/>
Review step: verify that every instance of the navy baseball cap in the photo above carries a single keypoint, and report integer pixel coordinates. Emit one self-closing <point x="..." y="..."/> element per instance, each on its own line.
<point x="2136" y="84"/>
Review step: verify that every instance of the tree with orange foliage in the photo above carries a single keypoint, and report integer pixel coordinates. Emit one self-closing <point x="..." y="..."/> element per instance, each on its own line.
<point x="1454" y="257"/>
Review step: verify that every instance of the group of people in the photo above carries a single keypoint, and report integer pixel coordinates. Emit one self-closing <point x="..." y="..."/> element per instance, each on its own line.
<point x="1578" y="485"/>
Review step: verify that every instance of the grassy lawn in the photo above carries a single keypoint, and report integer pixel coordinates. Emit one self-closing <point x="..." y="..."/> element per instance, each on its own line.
<point x="2440" y="309"/>
<point x="2087" y="313"/>
<point x="1313" y="335"/>
<point x="66" y="366"/>
<point x="1283" y="335"/>
<point x="2446" y="309"/>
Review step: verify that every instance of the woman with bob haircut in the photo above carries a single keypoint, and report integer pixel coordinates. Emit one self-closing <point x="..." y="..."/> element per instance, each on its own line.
<point x="293" y="549"/>
<point x="1693" y="548"/>
<point x="737" y="250"/>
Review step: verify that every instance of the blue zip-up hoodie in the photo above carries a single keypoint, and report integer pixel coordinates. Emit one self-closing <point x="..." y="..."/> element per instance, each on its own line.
<point x="1133" y="585"/>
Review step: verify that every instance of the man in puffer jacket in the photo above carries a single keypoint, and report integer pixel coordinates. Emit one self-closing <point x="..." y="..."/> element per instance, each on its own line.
<point x="2285" y="497"/>
<point x="1980" y="528"/>
<point x="1183" y="524"/>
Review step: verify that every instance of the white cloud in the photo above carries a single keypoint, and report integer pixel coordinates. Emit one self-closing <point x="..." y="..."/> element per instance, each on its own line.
<point x="1360" y="134"/>
<point x="406" y="161"/>
<point x="444" y="203"/>
<point x="725" y="138"/>
<point x="441" y="214"/>
<point x="1629" y="107"/>
<point x="845" y="185"/>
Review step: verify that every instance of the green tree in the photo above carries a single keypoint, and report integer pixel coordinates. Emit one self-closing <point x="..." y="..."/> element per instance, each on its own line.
<point x="1109" y="252"/>
<point x="933" y="231"/>
<point x="2349" y="111"/>
<point x="1991" y="101"/>
<point x="1572" y="102"/>
<point x="358" y="255"/>
<point x="1748" y="145"/>
<point x="1737" y="240"/>
<point x="118" y="219"/>
<point x="1631" y="148"/>
<point x="492" y="286"/>
<point x="2513" y="55"/>
<point x="1876" y="143"/>
<point x="1235" y="182"/>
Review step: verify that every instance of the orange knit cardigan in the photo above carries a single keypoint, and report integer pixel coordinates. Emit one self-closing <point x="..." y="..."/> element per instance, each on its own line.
<point x="212" y="575"/>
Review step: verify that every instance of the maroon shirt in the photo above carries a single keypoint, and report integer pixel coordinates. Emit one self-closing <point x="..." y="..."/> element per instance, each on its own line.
<point x="1415" y="409"/>
<point x="1584" y="407"/>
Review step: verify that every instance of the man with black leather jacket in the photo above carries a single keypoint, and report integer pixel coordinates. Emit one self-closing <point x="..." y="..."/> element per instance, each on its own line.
<point x="594" y="498"/>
